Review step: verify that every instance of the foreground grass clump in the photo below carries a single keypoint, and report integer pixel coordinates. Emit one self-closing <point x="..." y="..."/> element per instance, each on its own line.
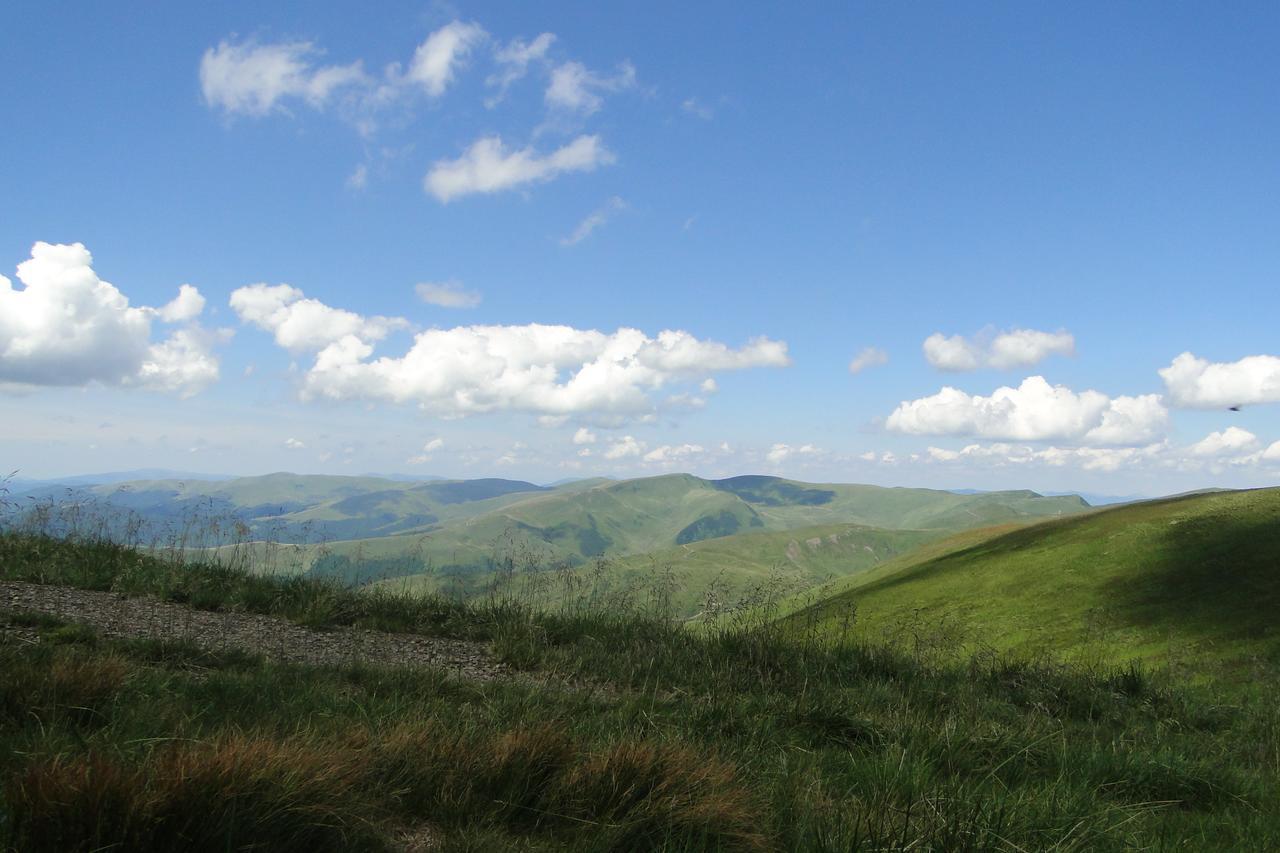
<point x="100" y="564"/>
<point x="741" y="735"/>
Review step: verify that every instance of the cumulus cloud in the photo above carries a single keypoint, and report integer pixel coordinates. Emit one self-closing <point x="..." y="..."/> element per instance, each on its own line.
<point x="1231" y="441"/>
<point x="301" y="324"/>
<point x="294" y="444"/>
<point x="780" y="453"/>
<point x="1003" y="454"/>
<point x="187" y="305"/>
<point x="574" y="88"/>
<point x="436" y="59"/>
<point x="427" y="449"/>
<point x="1003" y="351"/>
<point x="1232" y="447"/>
<point x="624" y="448"/>
<point x="252" y="79"/>
<point x="513" y="61"/>
<point x="593" y="221"/>
<point x="584" y="436"/>
<point x="869" y="357"/>
<point x="541" y="369"/>
<point x="673" y="454"/>
<point x="551" y="370"/>
<point x="67" y="326"/>
<point x="447" y="294"/>
<point x="488" y="167"/>
<point x="1034" y="411"/>
<point x="183" y="363"/>
<point x="1197" y="383"/>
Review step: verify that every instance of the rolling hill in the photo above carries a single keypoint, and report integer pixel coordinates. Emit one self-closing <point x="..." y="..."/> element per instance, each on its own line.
<point x="728" y="535"/>
<point x="1192" y="580"/>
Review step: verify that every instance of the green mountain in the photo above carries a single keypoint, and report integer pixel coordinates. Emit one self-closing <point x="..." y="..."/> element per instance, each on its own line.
<point x="1192" y="580"/>
<point x="701" y="535"/>
<point x="719" y="537"/>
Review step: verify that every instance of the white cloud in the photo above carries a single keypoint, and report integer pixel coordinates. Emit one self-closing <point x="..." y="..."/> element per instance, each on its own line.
<point x="1214" y="454"/>
<point x="1034" y="411"/>
<point x="1196" y="383"/>
<point x="252" y="79"/>
<point x="187" y="305"/>
<point x="780" y="453"/>
<point x="1232" y="441"/>
<point x="574" y="88"/>
<point x="67" y="326"/>
<point x="427" y="449"/>
<point x="709" y="386"/>
<point x="544" y="370"/>
<point x="551" y="370"/>
<point x="184" y="363"/>
<point x="593" y="221"/>
<point x="1002" y="454"/>
<point x="954" y="353"/>
<point x="514" y="60"/>
<point x="294" y="444"/>
<point x="1027" y="347"/>
<point x="673" y="454"/>
<point x="584" y="436"/>
<point x="869" y="357"/>
<point x="447" y="294"/>
<point x="436" y="59"/>
<point x="625" y="448"/>
<point x="1004" y="351"/>
<point x="301" y="324"/>
<point x="1233" y="447"/>
<point x="487" y="167"/>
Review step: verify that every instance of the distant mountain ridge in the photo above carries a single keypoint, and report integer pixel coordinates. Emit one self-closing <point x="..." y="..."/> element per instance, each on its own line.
<point x="459" y="532"/>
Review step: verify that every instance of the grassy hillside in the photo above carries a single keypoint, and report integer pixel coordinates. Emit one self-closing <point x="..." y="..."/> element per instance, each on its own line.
<point x="1192" y="580"/>
<point x="786" y="503"/>
<point x="458" y="535"/>
<point x="626" y="733"/>
<point x="708" y="575"/>
<point x="654" y="514"/>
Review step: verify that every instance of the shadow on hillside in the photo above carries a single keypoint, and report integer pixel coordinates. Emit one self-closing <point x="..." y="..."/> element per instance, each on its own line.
<point x="1212" y="576"/>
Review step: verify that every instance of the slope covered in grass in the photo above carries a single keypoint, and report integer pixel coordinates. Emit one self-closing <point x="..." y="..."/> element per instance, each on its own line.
<point x="1193" y="579"/>
<point x="653" y="515"/>
<point x="631" y="734"/>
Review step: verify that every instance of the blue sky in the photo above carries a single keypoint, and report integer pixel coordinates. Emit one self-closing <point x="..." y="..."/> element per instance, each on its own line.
<point x="487" y="216"/>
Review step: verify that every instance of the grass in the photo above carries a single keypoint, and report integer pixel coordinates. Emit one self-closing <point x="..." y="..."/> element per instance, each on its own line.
<point x="1191" y="583"/>
<point x="743" y="735"/>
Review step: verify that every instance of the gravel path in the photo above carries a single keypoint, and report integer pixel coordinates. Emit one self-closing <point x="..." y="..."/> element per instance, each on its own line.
<point x="115" y="615"/>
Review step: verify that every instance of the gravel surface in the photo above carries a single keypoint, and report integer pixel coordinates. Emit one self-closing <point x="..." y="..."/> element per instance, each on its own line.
<point x="115" y="615"/>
